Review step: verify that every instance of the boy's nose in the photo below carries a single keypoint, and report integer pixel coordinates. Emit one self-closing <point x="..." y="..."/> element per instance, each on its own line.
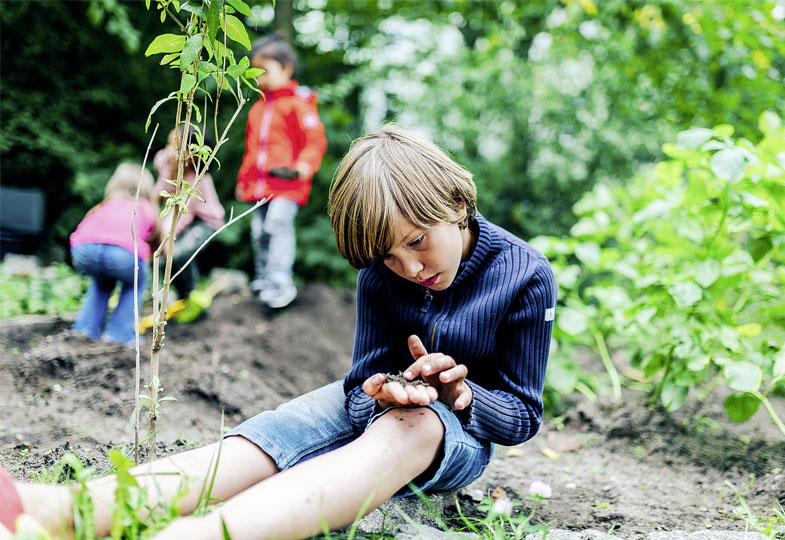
<point x="413" y="267"/>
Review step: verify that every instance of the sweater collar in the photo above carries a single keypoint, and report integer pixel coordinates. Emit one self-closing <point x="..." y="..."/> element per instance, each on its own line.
<point x="481" y="256"/>
<point x="286" y="90"/>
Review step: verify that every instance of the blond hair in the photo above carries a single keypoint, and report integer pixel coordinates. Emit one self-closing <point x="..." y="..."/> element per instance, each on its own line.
<point x="390" y="173"/>
<point x="124" y="180"/>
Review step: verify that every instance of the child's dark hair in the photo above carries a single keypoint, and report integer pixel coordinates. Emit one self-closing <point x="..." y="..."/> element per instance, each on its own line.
<point x="276" y="48"/>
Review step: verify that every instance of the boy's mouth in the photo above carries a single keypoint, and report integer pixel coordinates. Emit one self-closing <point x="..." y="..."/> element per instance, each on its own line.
<point x="430" y="281"/>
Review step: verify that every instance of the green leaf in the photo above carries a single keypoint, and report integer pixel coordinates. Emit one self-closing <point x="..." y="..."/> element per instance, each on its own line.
<point x="707" y="272"/>
<point x="190" y="51"/>
<point x="571" y="321"/>
<point x="240" y="6"/>
<point x="213" y="18"/>
<point x="749" y="329"/>
<point x="235" y="30"/>
<point x="168" y="58"/>
<point x="673" y="396"/>
<point x="654" y="364"/>
<point x="729" y="164"/>
<point x="693" y="138"/>
<point x="193" y="9"/>
<point x="769" y="122"/>
<point x="698" y="363"/>
<point x="741" y="407"/>
<point x="160" y="102"/>
<point x="743" y="376"/>
<point x="252" y="73"/>
<point x="588" y="253"/>
<point x="166" y="43"/>
<point x="778" y="369"/>
<point x="724" y="130"/>
<point x="187" y="83"/>
<point x="685" y="294"/>
<point x="235" y="70"/>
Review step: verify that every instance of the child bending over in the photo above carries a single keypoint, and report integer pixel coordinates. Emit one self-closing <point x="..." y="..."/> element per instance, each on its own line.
<point x="443" y="294"/>
<point x="102" y="247"/>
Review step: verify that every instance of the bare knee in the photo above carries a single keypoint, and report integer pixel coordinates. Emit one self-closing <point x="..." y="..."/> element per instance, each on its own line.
<point x="414" y="431"/>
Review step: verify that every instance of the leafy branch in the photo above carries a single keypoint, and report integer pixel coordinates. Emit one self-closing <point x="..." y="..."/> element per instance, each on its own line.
<point x="205" y="63"/>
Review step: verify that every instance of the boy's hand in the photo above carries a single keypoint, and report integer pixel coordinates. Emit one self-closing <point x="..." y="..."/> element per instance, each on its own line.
<point x="284" y="172"/>
<point x="389" y="394"/>
<point x="441" y="372"/>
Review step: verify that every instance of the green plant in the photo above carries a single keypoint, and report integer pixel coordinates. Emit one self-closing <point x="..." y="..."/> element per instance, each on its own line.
<point x="500" y="526"/>
<point x="54" y="289"/>
<point x="772" y="526"/>
<point x="683" y="268"/>
<point x="207" y="67"/>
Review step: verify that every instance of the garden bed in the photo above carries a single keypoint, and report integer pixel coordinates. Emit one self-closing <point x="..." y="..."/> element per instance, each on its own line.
<point x="620" y="465"/>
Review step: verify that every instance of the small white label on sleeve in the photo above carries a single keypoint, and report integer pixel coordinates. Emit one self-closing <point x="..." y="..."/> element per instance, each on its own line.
<point x="310" y="120"/>
<point x="550" y="313"/>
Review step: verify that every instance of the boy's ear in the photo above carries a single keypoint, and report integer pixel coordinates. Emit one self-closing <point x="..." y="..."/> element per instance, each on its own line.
<point x="288" y="68"/>
<point x="461" y="209"/>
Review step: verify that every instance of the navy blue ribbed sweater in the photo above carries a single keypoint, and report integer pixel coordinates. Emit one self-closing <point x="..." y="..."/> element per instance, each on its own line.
<point x="496" y="318"/>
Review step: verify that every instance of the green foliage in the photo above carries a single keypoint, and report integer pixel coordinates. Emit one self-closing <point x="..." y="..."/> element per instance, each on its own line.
<point x="539" y="100"/>
<point x="682" y="268"/>
<point x="55" y="289"/>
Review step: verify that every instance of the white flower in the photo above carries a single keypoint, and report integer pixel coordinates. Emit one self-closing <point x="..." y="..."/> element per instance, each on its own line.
<point x="502" y="506"/>
<point x="540" y="488"/>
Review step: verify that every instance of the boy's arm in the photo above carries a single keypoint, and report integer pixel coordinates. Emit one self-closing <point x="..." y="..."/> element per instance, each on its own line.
<point x="374" y="347"/>
<point x="314" y="141"/>
<point x="511" y="413"/>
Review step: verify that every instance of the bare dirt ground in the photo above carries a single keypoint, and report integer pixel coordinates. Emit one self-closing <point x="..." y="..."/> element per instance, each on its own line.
<point x="620" y="466"/>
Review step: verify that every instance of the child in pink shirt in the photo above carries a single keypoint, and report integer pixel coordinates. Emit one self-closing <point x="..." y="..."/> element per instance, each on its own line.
<point x="102" y="247"/>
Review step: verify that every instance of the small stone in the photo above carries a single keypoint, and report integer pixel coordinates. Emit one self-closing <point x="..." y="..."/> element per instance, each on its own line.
<point x="571" y="485"/>
<point x="475" y="494"/>
<point x="56" y="387"/>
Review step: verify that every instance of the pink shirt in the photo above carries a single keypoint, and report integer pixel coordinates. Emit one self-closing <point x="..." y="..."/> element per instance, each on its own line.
<point x="210" y="211"/>
<point x="110" y="223"/>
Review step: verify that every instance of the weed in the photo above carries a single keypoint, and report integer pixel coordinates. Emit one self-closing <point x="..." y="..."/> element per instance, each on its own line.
<point x="772" y="526"/>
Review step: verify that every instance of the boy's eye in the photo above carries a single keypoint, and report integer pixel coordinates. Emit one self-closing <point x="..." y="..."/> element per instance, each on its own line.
<point x="417" y="240"/>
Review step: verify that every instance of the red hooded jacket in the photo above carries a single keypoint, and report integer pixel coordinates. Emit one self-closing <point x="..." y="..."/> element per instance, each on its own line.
<point x="283" y="128"/>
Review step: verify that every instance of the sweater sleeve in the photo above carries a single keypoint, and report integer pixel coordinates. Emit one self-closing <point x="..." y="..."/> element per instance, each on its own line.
<point x="372" y="350"/>
<point x="511" y="413"/>
<point x="312" y="129"/>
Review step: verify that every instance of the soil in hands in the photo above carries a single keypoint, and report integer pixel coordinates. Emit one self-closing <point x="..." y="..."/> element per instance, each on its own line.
<point x="612" y="464"/>
<point x="403" y="381"/>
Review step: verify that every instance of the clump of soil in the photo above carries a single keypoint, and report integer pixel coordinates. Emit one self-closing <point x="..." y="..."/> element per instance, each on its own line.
<point x="403" y="381"/>
<point x="612" y="464"/>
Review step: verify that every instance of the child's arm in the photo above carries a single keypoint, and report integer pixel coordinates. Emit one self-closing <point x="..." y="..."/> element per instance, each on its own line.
<point x="375" y="346"/>
<point x="309" y="159"/>
<point x="510" y="412"/>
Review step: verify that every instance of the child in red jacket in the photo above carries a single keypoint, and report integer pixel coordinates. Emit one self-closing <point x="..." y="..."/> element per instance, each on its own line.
<point x="284" y="145"/>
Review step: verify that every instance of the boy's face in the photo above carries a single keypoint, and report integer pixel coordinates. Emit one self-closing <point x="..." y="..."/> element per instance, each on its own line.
<point x="275" y="75"/>
<point x="430" y="256"/>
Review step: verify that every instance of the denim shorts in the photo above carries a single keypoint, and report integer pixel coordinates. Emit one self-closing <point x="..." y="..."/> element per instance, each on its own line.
<point x="316" y="423"/>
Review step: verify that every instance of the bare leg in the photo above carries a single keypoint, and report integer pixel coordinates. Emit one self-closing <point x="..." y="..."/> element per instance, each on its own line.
<point x="242" y="464"/>
<point x="332" y="488"/>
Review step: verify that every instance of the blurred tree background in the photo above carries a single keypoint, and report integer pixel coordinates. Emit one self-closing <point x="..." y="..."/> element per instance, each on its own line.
<point x="540" y="99"/>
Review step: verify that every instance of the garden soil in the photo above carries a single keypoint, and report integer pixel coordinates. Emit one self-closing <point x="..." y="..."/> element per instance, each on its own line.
<point x="613" y="465"/>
